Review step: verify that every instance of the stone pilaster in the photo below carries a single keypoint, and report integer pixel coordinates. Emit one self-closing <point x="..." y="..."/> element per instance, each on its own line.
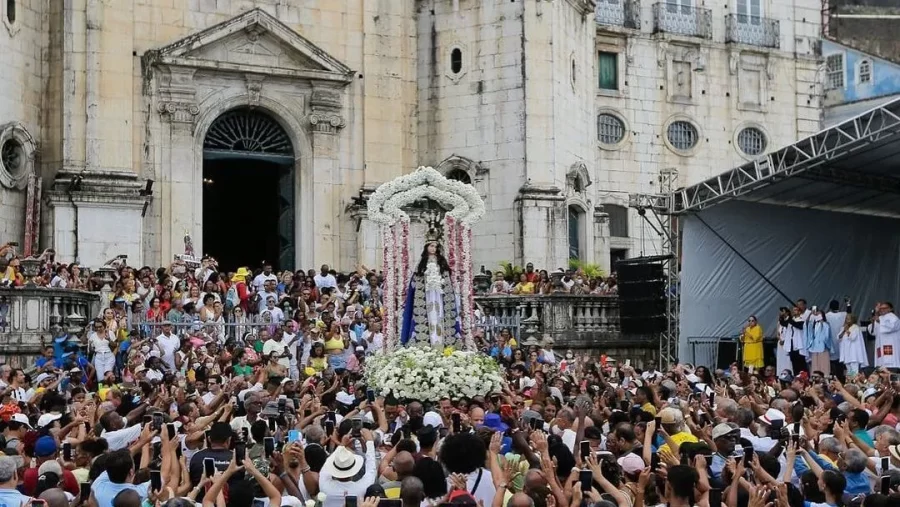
<point x="600" y="224"/>
<point x="542" y="221"/>
<point x="326" y="123"/>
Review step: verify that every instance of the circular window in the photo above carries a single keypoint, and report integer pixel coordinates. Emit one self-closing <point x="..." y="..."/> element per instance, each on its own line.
<point x="12" y="155"/>
<point x="610" y="129"/>
<point x="751" y="141"/>
<point x="682" y="135"/>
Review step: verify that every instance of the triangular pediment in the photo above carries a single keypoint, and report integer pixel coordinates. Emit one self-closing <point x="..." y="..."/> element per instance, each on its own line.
<point x="254" y="41"/>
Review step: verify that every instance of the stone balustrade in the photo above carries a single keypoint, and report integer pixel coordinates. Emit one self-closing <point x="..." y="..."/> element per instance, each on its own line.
<point x="30" y="313"/>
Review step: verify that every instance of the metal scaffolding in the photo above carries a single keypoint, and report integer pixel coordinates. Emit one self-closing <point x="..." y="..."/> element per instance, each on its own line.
<point x="665" y="223"/>
<point x="813" y="173"/>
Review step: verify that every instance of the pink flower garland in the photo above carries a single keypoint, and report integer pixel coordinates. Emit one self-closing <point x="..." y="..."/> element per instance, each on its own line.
<point x="403" y="271"/>
<point x="390" y="328"/>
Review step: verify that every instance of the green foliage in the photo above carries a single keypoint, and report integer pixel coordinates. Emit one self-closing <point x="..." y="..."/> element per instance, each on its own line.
<point x="510" y="272"/>
<point x="590" y="271"/>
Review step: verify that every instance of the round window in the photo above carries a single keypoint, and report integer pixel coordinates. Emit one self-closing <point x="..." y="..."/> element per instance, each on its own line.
<point x="751" y="141"/>
<point x="12" y="155"/>
<point x="610" y="129"/>
<point x="682" y="135"/>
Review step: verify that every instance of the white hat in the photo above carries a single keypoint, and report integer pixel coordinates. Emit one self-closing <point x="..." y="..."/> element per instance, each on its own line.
<point x="343" y="464"/>
<point x="771" y="415"/>
<point x="433" y="419"/>
<point x="21" y="419"/>
<point x="46" y="419"/>
<point x="42" y="377"/>
<point x="693" y="379"/>
<point x="869" y="392"/>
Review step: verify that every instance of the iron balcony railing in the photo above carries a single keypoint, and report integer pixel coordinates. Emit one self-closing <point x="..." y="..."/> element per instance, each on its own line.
<point x="625" y="13"/>
<point x="669" y="17"/>
<point x="753" y="30"/>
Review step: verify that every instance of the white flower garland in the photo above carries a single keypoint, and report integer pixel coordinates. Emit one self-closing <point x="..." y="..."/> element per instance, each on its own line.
<point x="386" y="203"/>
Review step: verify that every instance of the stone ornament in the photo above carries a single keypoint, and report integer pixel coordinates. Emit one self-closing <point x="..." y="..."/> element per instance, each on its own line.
<point x="326" y="123"/>
<point x="17" y="149"/>
<point x="179" y="112"/>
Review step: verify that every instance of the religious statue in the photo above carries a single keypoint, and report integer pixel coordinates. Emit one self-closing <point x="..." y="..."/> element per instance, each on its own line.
<point x="430" y="310"/>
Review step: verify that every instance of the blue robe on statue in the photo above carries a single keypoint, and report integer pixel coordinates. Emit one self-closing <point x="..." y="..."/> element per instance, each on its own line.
<point x="414" y="324"/>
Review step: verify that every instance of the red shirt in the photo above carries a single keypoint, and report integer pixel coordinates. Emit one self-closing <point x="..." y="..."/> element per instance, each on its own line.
<point x="29" y="482"/>
<point x="533" y="277"/>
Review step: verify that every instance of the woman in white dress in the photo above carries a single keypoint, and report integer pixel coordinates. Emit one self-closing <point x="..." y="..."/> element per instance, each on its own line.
<point x="853" y="347"/>
<point x="782" y="357"/>
<point x="102" y="341"/>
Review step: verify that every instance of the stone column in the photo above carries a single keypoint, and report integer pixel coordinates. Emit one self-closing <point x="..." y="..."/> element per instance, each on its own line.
<point x="600" y="225"/>
<point x="179" y="186"/>
<point x="542" y="235"/>
<point x="326" y="122"/>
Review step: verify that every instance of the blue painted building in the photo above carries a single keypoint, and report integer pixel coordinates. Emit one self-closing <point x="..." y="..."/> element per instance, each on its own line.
<point x="855" y="81"/>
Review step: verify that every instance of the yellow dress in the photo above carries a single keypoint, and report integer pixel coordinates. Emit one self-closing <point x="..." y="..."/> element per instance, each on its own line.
<point x="753" y="346"/>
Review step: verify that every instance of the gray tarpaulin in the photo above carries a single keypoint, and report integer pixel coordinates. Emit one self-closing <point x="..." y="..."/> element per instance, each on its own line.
<point x="810" y="254"/>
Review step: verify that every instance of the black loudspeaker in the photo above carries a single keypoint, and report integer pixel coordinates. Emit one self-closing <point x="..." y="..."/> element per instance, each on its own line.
<point x="642" y="296"/>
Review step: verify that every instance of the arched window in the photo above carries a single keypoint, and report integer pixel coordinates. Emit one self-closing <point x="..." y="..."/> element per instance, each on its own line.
<point x="865" y="71"/>
<point x="459" y="175"/>
<point x="575" y="226"/>
<point x="456" y="60"/>
<point x="11" y="11"/>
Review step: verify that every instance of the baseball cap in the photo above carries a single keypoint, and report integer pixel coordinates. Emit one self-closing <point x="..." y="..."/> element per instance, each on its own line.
<point x="771" y="415"/>
<point x="45" y="446"/>
<point x="670" y="415"/>
<point x="723" y="429"/>
<point x="631" y="463"/>
<point x="46" y="419"/>
<point x="22" y="419"/>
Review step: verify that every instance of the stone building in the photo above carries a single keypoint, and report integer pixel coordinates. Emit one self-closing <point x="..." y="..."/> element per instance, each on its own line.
<point x="258" y="127"/>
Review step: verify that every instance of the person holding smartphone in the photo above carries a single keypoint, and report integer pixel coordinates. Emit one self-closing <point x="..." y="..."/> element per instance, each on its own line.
<point x="347" y="474"/>
<point x="219" y="449"/>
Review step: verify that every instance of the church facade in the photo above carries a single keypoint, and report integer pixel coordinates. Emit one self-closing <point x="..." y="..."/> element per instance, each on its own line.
<point x="258" y="128"/>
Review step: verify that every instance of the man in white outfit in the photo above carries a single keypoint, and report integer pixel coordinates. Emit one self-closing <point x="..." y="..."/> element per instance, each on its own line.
<point x="886" y="328"/>
<point x="835" y="318"/>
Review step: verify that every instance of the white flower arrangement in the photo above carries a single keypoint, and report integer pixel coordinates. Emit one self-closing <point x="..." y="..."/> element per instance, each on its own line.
<point x="429" y="374"/>
<point x="386" y="203"/>
<point x="433" y="279"/>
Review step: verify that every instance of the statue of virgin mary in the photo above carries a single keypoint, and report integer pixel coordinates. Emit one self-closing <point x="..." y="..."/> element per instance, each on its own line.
<point x="430" y="310"/>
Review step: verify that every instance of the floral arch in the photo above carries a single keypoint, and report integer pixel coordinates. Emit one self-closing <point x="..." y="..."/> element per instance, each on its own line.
<point x="463" y="207"/>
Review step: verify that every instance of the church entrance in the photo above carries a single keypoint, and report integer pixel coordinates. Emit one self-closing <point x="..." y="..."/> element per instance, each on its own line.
<point x="248" y="191"/>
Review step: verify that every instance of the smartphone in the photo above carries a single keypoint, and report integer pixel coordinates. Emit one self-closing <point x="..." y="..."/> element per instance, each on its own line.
<point x="356" y="428"/>
<point x="712" y="402"/>
<point x="37" y="502"/>
<point x="147" y="419"/>
<point x="157" y="450"/>
<point x="272" y="424"/>
<point x="585" y="477"/>
<point x="67" y="451"/>
<point x="209" y="467"/>
<point x="240" y="452"/>
<point x="170" y="427"/>
<point x="329" y="416"/>
<point x="885" y="484"/>
<point x="206" y="433"/>
<point x="506" y="411"/>
<point x="85" y="491"/>
<point x="658" y="425"/>
<point x="585" y="449"/>
<point x="654" y="462"/>
<point x="245" y="433"/>
<point x="258" y="503"/>
<point x="155" y="480"/>
<point x="282" y="405"/>
<point x="157" y="422"/>
<point x="269" y="443"/>
<point x="350" y="501"/>
<point x="748" y="456"/>
<point x="456" y="420"/>
<point x="715" y="497"/>
<point x="623" y="406"/>
<point x="293" y="436"/>
<point x="885" y="465"/>
<point x="370" y="395"/>
<point x="536" y="424"/>
<point x="329" y="428"/>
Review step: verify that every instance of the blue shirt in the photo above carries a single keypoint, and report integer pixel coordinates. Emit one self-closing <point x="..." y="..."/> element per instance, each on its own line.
<point x="865" y="437"/>
<point x="12" y="498"/>
<point x="105" y="490"/>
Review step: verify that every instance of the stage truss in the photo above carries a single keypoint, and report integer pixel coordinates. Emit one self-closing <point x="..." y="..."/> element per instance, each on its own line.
<point x="872" y="138"/>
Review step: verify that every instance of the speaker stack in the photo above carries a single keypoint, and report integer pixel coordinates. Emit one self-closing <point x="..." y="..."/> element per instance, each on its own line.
<point x="642" y="295"/>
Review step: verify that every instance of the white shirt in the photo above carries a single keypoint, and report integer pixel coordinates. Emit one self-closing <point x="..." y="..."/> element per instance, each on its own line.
<point x="273" y="316"/>
<point x="325" y="281"/>
<point x="100" y="344"/>
<point x="59" y="282"/>
<point x="887" y="340"/>
<point x="335" y="491"/>
<point x="261" y="278"/>
<point x="374" y="342"/>
<point x="568" y="438"/>
<point x="208" y="397"/>
<point x="263" y="297"/>
<point x="836" y="325"/>
<point x="168" y="345"/>
<point x="485" y="491"/>
<point x="277" y="347"/>
<point x="121" y="439"/>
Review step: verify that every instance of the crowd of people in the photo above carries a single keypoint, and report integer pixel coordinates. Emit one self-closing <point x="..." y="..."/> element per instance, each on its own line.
<point x="155" y="405"/>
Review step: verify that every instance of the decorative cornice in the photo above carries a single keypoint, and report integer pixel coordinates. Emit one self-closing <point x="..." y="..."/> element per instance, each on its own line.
<point x="326" y="123"/>
<point x="583" y="7"/>
<point x="530" y="192"/>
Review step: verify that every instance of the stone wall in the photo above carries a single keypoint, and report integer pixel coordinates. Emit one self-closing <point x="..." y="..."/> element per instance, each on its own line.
<point x="22" y="58"/>
<point x="720" y="87"/>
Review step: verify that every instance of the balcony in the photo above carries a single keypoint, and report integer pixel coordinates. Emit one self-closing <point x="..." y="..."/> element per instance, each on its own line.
<point x="27" y="314"/>
<point x="753" y="30"/>
<point x="624" y="13"/>
<point x="682" y="20"/>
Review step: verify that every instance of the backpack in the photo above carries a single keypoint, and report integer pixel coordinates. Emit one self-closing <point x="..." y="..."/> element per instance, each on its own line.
<point x="232" y="299"/>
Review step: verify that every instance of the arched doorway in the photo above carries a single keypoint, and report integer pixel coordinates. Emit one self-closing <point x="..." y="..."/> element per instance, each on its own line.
<point x="248" y="191"/>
